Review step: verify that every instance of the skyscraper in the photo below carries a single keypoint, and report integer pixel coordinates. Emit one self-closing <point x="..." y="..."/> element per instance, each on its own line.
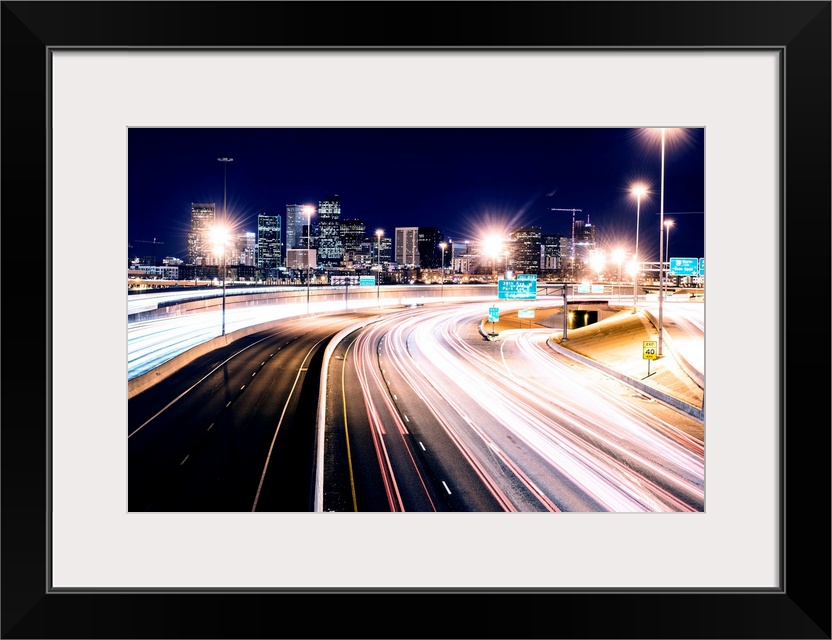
<point x="526" y="249"/>
<point x="553" y="248"/>
<point x="200" y="250"/>
<point x="247" y="243"/>
<point x="584" y="240"/>
<point x="353" y="233"/>
<point x="430" y="253"/>
<point x="407" y="246"/>
<point x="330" y="247"/>
<point x="295" y="219"/>
<point x="269" y="246"/>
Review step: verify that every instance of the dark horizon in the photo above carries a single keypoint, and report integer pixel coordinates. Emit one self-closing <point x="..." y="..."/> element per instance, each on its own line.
<point x="465" y="181"/>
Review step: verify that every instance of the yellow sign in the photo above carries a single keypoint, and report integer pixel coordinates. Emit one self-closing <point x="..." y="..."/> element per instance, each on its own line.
<point x="649" y="349"/>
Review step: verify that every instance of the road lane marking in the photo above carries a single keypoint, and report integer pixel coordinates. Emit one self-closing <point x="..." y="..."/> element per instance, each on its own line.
<point x="280" y="421"/>
<point x="193" y="386"/>
<point x="346" y="428"/>
<point x="446" y="487"/>
<point x="185" y="458"/>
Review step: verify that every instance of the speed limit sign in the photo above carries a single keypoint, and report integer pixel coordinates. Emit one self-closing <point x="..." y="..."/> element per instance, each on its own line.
<point x="649" y="349"/>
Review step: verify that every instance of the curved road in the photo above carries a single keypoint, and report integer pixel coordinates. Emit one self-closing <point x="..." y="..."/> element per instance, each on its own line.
<point x="236" y="429"/>
<point x="448" y="420"/>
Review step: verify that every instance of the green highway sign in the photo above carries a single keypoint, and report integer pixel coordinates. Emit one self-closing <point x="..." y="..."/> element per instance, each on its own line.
<point x="684" y="267"/>
<point x="525" y="313"/>
<point x="493" y="314"/>
<point x="701" y="266"/>
<point x="367" y="281"/>
<point x="517" y="289"/>
<point x="527" y="276"/>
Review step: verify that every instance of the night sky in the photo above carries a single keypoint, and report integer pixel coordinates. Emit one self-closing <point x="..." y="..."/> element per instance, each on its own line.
<point x="465" y="181"/>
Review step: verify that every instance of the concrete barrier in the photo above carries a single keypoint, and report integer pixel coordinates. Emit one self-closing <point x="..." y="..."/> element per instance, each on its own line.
<point x="697" y="376"/>
<point x="694" y="412"/>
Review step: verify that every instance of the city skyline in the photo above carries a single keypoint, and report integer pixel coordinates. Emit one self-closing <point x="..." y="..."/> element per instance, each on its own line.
<point x="467" y="182"/>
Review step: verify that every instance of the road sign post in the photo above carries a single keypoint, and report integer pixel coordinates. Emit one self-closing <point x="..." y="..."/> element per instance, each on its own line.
<point x="346" y="281"/>
<point x="649" y="351"/>
<point x="493" y="316"/>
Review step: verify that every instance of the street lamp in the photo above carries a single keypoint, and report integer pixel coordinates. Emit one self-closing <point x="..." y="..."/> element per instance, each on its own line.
<point x="661" y="252"/>
<point x="219" y="238"/>
<point x="225" y="162"/>
<point x="379" y="233"/>
<point x="639" y="191"/>
<point x="492" y="246"/>
<point x="442" y="288"/>
<point x="308" y="210"/>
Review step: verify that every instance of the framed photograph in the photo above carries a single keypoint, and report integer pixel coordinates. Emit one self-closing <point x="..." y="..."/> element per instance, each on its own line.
<point x="752" y="561"/>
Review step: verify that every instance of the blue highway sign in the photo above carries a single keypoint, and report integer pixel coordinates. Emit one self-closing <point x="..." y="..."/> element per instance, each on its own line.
<point x="684" y="267"/>
<point x="517" y="289"/>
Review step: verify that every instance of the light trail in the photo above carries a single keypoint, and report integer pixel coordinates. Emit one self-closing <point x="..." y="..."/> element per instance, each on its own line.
<point x="567" y="438"/>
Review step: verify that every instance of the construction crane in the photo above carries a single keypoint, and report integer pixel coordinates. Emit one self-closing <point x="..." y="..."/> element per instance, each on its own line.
<point x="572" y="248"/>
<point x="154" y="241"/>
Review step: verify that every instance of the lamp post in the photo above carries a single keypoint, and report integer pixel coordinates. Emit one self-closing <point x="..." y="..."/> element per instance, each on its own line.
<point x="639" y="191"/>
<point x="442" y="287"/>
<point x="225" y="162"/>
<point x="661" y="252"/>
<point x="219" y="237"/>
<point x="308" y="209"/>
<point x="379" y="233"/>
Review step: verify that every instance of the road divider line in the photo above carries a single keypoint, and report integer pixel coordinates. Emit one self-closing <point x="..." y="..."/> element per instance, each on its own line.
<point x="280" y="421"/>
<point x="346" y="427"/>
<point x="194" y="385"/>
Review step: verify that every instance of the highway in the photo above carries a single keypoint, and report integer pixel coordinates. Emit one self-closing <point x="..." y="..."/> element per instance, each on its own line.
<point x="422" y="414"/>
<point x="235" y="429"/>
<point x="453" y="421"/>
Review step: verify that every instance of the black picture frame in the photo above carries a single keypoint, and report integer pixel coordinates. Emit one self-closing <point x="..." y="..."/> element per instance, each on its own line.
<point x="800" y="608"/>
